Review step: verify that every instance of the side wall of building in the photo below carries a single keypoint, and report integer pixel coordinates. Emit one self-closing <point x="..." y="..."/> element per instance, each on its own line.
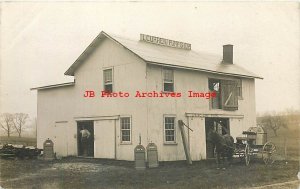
<point x="185" y="80"/>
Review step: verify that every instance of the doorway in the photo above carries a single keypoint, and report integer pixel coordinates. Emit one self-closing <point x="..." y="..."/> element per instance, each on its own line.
<point x="89" y="145"/>
<point x="221" y="125"/>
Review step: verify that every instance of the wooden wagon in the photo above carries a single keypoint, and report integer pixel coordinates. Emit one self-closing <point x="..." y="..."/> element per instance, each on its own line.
<point x="254" y="143"/>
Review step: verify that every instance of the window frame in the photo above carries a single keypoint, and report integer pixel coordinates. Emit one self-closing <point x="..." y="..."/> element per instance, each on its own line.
<point x="222" y="81"/>
<point x="130" y="130"/>
<point x="163" y="79"/>
<point x="219" y="95"/>
<point x="164" y="128"/>
<point x="240" y="89"/>
<point x="112" y="78"/>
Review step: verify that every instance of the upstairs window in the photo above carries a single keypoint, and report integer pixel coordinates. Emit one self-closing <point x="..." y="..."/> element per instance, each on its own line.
<point x="125" y="129"/>
<point x="214" y="86"/>
<point x="108" y="80"/>
<point x="169" y="129"/>
<point x="226" y="94"/>
<point x="168" y="81"/>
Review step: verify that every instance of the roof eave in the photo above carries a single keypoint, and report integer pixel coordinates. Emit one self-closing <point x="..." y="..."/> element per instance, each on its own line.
<point x="73" y="67"/>
<point x="205" y="70"/>
<point x="54" y="86"/>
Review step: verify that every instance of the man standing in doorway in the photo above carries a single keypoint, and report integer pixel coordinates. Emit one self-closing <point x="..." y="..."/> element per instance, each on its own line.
<point x="85" y="135"/>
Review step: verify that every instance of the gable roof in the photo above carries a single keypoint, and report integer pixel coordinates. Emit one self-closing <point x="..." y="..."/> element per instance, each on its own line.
<point x="167" y="56"/>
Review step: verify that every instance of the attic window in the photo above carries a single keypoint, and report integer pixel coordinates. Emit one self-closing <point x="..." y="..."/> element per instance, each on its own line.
<point x="108" y="80"/>
<point x="168" y="81"/>
<point x="227" y="94"/>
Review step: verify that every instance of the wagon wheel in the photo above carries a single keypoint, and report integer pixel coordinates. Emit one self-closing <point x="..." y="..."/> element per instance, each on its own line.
<point x="268" y="152"/>
<point x="239" y="151"/>
<point x="241" y="156"/>
<point x="247" y="154"/>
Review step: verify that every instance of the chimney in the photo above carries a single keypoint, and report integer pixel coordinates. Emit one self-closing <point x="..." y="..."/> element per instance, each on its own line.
<point x="228" y="54"/>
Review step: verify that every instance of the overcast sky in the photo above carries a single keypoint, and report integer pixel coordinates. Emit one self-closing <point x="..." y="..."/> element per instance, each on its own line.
<point x="39" y="41"/>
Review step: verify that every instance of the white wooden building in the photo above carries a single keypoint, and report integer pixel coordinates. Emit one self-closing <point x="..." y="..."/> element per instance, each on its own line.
<point x="150" y="64"/>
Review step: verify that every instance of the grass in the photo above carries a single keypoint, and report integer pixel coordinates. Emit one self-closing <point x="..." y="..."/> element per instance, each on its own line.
<point x="121" y="174"/>
<point x="287" y="142"/>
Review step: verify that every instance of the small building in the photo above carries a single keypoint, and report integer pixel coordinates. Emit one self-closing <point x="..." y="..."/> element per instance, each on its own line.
<point x="125" y="89"/>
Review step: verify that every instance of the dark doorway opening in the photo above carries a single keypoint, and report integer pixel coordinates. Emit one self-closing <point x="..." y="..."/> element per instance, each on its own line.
<point x="221" y="125"/>
<point x="89" y="144"/>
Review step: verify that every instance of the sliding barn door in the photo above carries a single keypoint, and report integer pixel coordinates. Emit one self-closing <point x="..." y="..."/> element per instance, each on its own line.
<point x="104" y="145"/>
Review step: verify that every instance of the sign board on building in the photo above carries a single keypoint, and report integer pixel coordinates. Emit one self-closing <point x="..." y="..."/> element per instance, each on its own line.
<point x="165" y="42"/>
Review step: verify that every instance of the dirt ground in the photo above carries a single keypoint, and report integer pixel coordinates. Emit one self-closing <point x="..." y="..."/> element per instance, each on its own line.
<point x="108" y="174"/>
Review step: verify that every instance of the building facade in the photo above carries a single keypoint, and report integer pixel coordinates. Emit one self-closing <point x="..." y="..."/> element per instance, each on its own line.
<point x="176" y="83"/>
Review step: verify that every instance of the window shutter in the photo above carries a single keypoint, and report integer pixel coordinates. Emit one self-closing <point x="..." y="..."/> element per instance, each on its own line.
<point x="229" y="95"/>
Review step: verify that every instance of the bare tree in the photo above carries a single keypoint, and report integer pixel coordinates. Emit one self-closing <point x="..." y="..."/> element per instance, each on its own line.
<point x="19" y="120"/>
<point x="274" y="122"/>
<point x="6" y="123"/>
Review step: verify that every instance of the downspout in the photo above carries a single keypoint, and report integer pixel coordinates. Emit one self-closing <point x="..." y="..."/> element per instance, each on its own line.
<point x="115" y="122"/>
<point x="147" y="101"/>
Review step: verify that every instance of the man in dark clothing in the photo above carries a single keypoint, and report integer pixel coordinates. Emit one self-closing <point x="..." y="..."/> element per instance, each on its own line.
<point x="85" y="135"/>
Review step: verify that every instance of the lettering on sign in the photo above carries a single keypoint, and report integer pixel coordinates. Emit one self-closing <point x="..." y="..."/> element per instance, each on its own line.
<point x="165" y="42"/>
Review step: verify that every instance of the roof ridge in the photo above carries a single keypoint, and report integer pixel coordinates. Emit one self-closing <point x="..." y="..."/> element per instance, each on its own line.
<point x="161" y="54"/>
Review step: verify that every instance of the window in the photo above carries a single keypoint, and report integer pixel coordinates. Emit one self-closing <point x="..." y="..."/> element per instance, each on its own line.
<point x="125" y="129"/>
<point x="168" y="82"/>
<point x="169" y="129"/>
<point x="214" y="86"/>
<point x="226" y="94"/>
<point x="108" y="80"/>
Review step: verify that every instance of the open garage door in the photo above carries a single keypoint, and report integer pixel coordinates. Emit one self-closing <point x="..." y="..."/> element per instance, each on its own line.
<point x="85" y="148"/>
<point x="221" y="125"/>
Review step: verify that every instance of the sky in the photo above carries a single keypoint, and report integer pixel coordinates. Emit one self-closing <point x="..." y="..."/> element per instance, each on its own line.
<point x="40" y="40"/>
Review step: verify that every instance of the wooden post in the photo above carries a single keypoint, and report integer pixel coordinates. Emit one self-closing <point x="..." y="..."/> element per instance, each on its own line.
<point x="185" y="145"/>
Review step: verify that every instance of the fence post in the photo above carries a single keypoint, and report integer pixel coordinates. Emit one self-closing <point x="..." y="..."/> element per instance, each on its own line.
<point x="285" y="149"/>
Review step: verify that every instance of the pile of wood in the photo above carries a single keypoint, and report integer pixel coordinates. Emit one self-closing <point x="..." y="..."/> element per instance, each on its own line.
<point x="19" y="151"/>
